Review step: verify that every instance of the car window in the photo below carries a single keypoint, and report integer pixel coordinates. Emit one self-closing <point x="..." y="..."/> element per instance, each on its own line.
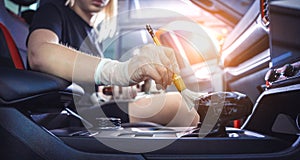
<point x="131" y="21"/>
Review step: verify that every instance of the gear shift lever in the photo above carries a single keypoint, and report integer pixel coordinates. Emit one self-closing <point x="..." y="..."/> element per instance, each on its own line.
<point x="234" y="105"/>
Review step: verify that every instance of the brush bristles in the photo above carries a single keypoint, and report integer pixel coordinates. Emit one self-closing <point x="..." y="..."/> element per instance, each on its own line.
<point x="190" y="97"/>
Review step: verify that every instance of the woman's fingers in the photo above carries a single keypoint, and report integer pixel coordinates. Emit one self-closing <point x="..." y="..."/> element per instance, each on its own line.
<point x="171" y="57"/>
<point x="157" y="73"/>
<point x="157" y="62"/>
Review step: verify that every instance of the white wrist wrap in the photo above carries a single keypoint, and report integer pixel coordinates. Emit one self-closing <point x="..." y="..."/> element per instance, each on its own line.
<point x="111" y="72"/>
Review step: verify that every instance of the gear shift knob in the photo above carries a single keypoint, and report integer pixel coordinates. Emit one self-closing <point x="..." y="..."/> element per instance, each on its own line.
<point x="227" y="105"/>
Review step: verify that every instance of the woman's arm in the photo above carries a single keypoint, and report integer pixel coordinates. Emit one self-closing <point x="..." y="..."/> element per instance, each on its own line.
<point x="45" y="54"/>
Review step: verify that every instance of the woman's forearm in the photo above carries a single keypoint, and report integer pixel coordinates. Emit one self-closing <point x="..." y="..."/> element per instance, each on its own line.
<point x="59" y="60"/>
<point x="66" y="63"/>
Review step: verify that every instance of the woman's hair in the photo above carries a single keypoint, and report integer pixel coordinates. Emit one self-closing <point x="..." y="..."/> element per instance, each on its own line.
<point x="111" y="9"/>
<point x="108" y="25"/>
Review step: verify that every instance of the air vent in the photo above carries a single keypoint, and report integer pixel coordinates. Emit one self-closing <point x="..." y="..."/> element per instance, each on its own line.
<point x="264" y="11"/>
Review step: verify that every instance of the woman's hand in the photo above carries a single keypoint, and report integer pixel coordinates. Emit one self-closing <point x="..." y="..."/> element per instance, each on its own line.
<point x="155" y="62"/>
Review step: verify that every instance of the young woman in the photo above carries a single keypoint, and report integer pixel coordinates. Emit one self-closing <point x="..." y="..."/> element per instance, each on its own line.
<point x="57" y="33"/>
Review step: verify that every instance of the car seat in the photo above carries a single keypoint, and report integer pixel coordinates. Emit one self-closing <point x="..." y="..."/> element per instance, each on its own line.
<point x="17" y="27"/>
<point x="10" y="56"/>
<point x="27" y="14"/>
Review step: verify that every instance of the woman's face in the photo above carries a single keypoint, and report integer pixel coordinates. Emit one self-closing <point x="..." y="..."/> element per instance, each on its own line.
<point x="91" y="5"/>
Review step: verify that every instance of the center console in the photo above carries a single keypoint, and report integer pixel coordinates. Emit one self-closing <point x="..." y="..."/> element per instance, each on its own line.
<point x="57" y="133"/>
<point x="160" y="142"/>
<point x="168" y="141"/>
<point x="270" y="132"/>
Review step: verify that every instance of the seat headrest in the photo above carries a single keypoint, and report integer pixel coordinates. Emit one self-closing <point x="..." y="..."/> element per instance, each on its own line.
<point x="24" y="2"/>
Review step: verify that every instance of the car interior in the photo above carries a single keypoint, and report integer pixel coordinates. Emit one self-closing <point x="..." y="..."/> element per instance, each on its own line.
<point x="257" y="67"/>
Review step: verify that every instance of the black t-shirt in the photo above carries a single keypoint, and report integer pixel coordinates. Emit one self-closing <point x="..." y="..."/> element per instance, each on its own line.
<point x="70" y="28"/>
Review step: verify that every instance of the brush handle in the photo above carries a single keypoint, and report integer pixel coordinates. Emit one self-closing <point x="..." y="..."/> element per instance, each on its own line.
<point x="177" y="80"/>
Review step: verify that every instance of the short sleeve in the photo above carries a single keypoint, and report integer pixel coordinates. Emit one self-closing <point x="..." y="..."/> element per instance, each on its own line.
<point x="47" y="17"/>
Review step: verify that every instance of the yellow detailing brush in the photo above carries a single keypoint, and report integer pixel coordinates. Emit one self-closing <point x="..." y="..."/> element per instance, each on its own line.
<point x="187" y="95"/>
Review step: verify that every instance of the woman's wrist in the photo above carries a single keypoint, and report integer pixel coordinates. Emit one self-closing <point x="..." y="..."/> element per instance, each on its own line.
<point x="112" y="72"/>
